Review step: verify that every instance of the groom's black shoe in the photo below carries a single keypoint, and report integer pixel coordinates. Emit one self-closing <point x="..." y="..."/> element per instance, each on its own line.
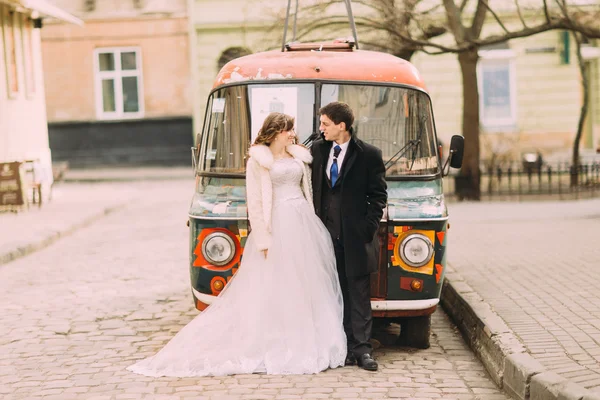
<point x="367" y="362"/>
<point x="350" y="359"/>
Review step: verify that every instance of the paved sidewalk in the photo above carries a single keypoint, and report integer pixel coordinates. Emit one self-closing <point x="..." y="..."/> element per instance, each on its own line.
<point x="524" y="286"/>
<point x="73" y="206"/>
<point x="81" y="198"/>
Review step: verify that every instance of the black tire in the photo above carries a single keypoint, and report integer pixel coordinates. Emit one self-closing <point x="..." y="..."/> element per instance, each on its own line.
<point x="415" y="332"/>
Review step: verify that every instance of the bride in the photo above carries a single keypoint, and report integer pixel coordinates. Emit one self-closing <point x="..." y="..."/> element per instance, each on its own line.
<point x="282" y="312"/>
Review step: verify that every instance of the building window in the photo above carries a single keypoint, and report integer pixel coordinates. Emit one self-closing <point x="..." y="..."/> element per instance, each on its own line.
<point x="497" y="88"/>
<point x="118" y="83"/>
<point x="8" y="18"/>
<point x="28" y="59"/>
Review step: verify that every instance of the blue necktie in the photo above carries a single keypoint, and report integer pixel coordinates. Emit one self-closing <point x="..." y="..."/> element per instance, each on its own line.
<point x="334" y="167"/>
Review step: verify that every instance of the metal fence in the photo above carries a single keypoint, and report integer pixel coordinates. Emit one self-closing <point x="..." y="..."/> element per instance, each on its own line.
<point x="513" y="181"/>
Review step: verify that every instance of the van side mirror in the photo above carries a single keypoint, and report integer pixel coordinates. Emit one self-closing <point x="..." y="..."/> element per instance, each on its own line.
<point x="455" y="158"/>
<point x="457" y="148"/>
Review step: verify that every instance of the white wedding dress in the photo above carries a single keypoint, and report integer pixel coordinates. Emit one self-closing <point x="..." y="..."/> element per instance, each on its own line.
<point x="279" y="315"/>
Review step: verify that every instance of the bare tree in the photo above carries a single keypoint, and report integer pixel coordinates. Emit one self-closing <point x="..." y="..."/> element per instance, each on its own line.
<point x="407" y="26"/>
<point x="583" y="69"/>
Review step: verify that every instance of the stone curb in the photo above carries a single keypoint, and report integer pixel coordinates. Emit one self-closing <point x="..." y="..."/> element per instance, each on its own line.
<point x="36" y="245"/>
<point x="503" y="355"/>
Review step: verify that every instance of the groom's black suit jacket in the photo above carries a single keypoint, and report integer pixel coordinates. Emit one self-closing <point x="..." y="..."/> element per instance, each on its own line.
<point x="363" y="196"/>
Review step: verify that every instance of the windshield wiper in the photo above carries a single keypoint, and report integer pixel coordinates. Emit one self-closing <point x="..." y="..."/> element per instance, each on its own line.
<point x="410" y="145"/>
<point x="415" y="149"/>
<point x="401" y="152"/>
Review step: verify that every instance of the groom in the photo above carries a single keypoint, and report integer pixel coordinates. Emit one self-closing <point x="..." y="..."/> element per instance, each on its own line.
<point x="349" y="193"/>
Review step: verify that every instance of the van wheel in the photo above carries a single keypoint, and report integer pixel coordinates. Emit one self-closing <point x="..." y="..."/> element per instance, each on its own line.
<point x="415" y="332"/>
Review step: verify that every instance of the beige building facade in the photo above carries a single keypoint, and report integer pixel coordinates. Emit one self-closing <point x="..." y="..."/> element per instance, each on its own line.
<point x="119" y="89"/>
<point x="530" y="91"/>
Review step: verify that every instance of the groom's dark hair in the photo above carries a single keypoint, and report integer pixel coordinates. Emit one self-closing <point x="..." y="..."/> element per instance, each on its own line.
<point x="339" y="112"/>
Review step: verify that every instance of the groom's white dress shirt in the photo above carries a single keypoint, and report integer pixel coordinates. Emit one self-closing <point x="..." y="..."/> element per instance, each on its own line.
<point x="340" y="158"/>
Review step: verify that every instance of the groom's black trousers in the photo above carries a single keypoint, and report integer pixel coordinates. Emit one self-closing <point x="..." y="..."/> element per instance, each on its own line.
<point x="358" y="320"/>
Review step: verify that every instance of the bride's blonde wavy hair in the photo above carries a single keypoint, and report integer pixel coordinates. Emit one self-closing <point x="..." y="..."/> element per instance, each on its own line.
<point x="274" y="124"/>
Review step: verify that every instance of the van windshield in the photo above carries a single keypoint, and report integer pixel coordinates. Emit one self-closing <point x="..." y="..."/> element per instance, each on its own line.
<point x="397" y="120"/>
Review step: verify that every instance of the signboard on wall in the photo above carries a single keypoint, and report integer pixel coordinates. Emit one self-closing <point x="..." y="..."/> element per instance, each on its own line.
<point x="11" y="185"/>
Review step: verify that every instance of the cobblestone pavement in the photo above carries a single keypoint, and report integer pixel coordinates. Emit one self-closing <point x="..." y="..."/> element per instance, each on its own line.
<point x="74" y="315"/>
<point x="537" y="266"/>
<point x="72" y="206"/>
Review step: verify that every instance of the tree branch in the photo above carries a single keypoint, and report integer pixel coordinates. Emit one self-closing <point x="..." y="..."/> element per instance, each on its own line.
<point x="432" y="10"/>
<point x="546" y="12"/>
<point x="563" y="8"/>
<point x="495" y="39"/>
<point x="387" y="48"/>
<point x="454" y="21"/>
<point x="435" y="53"/>
<point x="584" y="29"/>
<point x="520" y="14"/>
<point x="331" y="22"/>
<point x="485" y="3"/>
<point x="478" y="19"/>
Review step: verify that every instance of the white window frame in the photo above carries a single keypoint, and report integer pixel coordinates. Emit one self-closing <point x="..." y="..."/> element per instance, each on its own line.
<point x="495" y="57"/>
<point x="117" y="75"/>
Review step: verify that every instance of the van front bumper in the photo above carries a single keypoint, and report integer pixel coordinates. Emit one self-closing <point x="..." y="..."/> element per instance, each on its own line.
<point x="405" y="305"/>
<point x="380" y="308"/>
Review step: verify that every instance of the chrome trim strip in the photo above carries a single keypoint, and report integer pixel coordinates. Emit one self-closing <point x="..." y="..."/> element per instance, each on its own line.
<point x="409" y="305"/>
<point x="220" y="218"/>
<point x="424" y="219"/>
<point x="203" y="297"/>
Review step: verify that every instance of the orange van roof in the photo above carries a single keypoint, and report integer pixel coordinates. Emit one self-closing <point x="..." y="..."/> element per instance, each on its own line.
<point x="357" y="65"/>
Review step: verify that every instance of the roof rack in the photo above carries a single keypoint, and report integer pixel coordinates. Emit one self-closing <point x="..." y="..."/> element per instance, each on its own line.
<point x="347" y="45"/>
<point x="294" y="47"/>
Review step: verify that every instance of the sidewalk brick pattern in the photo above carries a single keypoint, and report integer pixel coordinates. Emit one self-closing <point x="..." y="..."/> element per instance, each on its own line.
<point x="537" y="265"/>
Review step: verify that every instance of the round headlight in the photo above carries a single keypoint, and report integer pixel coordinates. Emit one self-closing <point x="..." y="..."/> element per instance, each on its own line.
<point x="416" y="250"/>
<point x="218" y="248"/>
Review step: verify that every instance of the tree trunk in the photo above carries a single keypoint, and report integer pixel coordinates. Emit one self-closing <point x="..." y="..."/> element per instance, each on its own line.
<point x="405" y="54"/>
<point x="470" y="173"/>
<point x="582" y="114"/>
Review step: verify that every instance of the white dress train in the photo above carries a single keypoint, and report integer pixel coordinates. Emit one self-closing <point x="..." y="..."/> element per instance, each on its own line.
<point x="282" y="315"/>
